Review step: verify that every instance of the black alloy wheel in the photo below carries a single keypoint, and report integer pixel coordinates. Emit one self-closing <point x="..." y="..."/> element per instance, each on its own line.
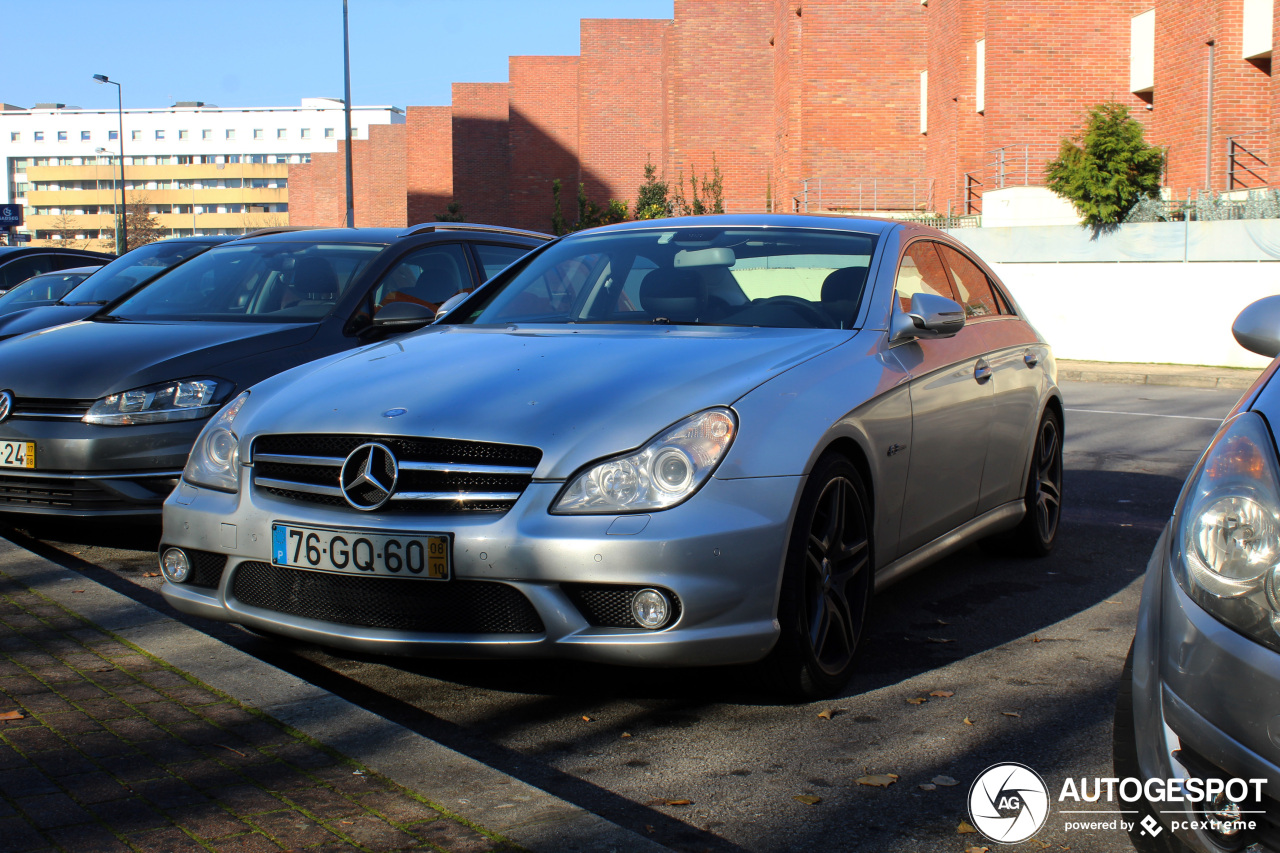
<point x="826" y="586"/>
<point x="1044" y="488"/>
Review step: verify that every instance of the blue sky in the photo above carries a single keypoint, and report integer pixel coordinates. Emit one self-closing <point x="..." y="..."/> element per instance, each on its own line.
<point x="242" y="53"/>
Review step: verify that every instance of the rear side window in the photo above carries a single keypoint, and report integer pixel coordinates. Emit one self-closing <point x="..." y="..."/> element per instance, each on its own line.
<point x="921" y="271"/>
<point x="426" y="277"/>
<point x="21" y="269"/>
<point x="972" y="286"/>
<point x="495" y="259"/>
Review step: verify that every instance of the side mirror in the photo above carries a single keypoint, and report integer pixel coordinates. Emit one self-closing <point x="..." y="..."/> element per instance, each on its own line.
<point x="931" y="316"/>
<point x="450" y="303"/>
<point x="1257" y="328"/>
<point x="398" y="317"/>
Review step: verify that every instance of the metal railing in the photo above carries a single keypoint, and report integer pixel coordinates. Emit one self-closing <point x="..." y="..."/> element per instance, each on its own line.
<point x="888" y="194"/>
<point x="1242" y="165"/>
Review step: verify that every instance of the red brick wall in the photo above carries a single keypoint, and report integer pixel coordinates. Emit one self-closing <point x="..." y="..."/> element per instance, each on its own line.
<point x="543" y="137"/>
<point x="378" y="176"/>
<point x="481" y="163"/>
<point x="954" y="145"/>
<point x="621" y="105"/>
<point x="429" y="159"/>
<point x="721" y="82"/>
<point x="787" y="168"/>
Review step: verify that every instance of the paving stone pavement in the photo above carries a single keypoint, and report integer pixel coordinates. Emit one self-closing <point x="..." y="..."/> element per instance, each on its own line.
<point x="106" y="748"/>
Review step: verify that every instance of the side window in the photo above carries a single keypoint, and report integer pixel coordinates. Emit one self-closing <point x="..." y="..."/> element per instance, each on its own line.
<point x="66" y="262"/>
<point x="921" y="271"/>
<point x="495" y="259"/>
<point x="21" y="269"/>
<point x="552" y="294"/>
<point x="427" y="277"/>
<point x="971" y="284"/>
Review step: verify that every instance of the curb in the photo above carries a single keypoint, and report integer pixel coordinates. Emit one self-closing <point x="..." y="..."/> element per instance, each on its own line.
<point x="529" y="816"/>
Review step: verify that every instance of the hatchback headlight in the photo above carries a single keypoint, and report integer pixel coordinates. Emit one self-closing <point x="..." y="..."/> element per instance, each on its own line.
<point x="215" y="460"/>
<point x="659" y="475"/>
<point x="179" y="400"/>
<point x="1226" y="546"/>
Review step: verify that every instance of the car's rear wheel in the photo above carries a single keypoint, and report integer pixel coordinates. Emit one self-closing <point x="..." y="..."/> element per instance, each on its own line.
<point x="826" y="584"/>
<point x="1038" y="532"/>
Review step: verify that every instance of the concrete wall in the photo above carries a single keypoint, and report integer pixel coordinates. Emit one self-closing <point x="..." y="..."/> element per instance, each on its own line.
<point x="1129" y="296"/>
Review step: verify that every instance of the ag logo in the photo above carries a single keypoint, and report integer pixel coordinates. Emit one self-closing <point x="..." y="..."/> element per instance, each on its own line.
<point x="1008" y="803"/>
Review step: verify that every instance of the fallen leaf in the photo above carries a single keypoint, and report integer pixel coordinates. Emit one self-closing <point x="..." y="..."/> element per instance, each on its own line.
<point x="1044" y="845"/>
<point x="943" y="622"/>
<point x="626" y="734"/>
<point x="357" y="772"/>
<point x="649" y="828"/>
<point x="12" y="715"/>
<point x="77" y="590"/>
<point x="976" y="849"/>
<point x="968" y="722"/>
<point x="347" y="822"/>
<point x="585" y="718"/>
<point x="944" y="781"/>
<point x="829" y="713"/>
<point x="938" y="640"/>
<point x="942" y="694"/>
<point x="919" y="700"/>
<point x="878" y="780"/>
<point x="151" y="574"/>
<point x="1011" y="713"/>
<point x="229" y="749"/>
<point x="666" y="802"/>
<point x="965" y="828"/>
<point x="1035" y="638"/>
<point x="927" y="786"/>
<point x="807" y="799"/>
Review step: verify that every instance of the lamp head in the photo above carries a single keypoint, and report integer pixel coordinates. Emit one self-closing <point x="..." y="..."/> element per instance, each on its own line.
<point x="101" y="78"/>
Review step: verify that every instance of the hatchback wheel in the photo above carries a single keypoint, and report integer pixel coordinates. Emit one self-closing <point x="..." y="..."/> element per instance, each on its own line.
<point x="826" y="584"/>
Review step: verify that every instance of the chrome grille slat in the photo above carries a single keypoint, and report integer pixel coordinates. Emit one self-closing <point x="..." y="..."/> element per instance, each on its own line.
<point x="289" y="485"/>
<point x="456" y="468"/>
<point x="288" y="459"/>
<point x="461" y="497"/>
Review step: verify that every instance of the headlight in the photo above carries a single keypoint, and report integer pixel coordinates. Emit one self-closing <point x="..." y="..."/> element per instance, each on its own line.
<point x="1226" y="547"/>
<point x="661" y="474"/>
<point x="215" y="460"/>
<point x="179" y="400"/>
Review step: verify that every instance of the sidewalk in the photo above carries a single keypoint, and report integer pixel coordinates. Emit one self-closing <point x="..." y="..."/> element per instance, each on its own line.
<point x="1183" y="375"/>
<point x="121" y="729"/>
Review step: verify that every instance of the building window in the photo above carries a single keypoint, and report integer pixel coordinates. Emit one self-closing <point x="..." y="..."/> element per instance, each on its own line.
<point x="135" y="135"/>
<point x="257" y="133"/>
<point x="355" y="133"/>
<point x="113" y="135"/>
<point x="924" y="101"/>
<point x="182" y="134"/>
<point x="84" y="136"/>
<point x="1142" y="53"/>
<point x="185" y="160"/>
<point x="39" y="136"/>
<point x="328" y="133"/>
<point x="281" y="133"/>
<point x="306" y="133"/>
<point x="15" y="136"/>
<point x="62" y="136"/>
<point x="159" y="134"/>
<point x="231" y="134"/>
<point x="980" y="74"/>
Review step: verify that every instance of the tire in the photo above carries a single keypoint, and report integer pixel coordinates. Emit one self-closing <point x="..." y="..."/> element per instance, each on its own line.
<point x="1124" y="762"/>
<point x="1037" y="533"/>
<point x="826" y="585"/>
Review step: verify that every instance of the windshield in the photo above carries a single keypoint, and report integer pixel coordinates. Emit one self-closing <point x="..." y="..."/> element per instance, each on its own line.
<point x="40" y="290"/>
<point x="262" y="282"/>
<point x="719" y="276"/>
<point x="130" y="270"/>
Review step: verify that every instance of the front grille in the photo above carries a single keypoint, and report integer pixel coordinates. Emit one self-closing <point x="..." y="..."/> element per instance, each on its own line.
<point x="50" y="408"/>
<point x="401" y="604"/>
<point x="609" y="605"/>
<point x="206" y="567"/>
<point x="56" y="493"/>
<point x="436" y="474"/>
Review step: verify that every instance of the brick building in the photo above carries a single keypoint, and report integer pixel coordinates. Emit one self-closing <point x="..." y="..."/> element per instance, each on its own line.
<point x="888" y="105"/>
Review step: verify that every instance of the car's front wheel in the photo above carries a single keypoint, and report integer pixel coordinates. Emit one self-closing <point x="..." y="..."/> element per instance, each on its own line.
<point x="826" y="584"/>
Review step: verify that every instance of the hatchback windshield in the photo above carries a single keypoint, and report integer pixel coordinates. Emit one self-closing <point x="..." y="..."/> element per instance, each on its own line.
<point x="779" y="277"/>
<point x="262" y="282"/>
<point x="40" y="290"/>
<point x="130" y="270"/>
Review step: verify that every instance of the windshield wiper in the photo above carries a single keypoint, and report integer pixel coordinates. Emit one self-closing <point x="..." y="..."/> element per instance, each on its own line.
<point x="98" y="302"/>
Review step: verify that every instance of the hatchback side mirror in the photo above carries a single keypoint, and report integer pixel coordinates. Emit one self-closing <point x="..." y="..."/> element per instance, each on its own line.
<point x="1257" y="328"/>
<point x="450" y="303"/>
<point x="931" y="316"/>
<point x="401" y="317"/>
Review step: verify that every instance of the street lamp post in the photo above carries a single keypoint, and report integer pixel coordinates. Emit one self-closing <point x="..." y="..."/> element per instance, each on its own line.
<point x="346" y="114"/>
<point x="123" y="239"/>
<point x="115" y="229"/>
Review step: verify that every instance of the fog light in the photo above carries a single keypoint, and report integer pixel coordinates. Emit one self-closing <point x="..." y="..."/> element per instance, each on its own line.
<point x="650" y="608"/>
<point x="175" y="565"/>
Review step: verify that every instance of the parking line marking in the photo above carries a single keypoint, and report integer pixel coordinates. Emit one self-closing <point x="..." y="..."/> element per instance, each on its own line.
<point x="1144" y="415"/>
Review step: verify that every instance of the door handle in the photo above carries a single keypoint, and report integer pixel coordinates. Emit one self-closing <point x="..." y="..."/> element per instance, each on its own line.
<point x="982" y="370"/>
<point x="1030" y="358"/>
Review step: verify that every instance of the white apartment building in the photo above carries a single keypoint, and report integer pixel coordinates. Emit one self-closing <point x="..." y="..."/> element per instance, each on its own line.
<point x="199" y="168"/>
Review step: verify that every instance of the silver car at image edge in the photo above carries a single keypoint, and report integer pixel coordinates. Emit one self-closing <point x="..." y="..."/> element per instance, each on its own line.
<point x="682" y="442"/>
<point x="1199" y="695"/>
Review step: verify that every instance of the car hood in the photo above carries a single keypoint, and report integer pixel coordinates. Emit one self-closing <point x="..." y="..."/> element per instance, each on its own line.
<point x="90" y="359"/>
<point x="578" y="393"/>
<point x="39" y="317"/>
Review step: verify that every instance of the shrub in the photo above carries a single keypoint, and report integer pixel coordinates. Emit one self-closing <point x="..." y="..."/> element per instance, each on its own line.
<point x="1110" y="168"/>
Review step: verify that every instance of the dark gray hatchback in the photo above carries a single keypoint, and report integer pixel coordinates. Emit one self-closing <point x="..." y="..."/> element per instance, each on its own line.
<point x="97" y="417"/>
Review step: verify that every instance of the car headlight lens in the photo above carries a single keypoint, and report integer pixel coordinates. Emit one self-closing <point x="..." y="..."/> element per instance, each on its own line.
<point x="1226" y="547"/>
<point x="179" y="400"/>
<point x="661" y="474"/>
<point x="215" y="459"/>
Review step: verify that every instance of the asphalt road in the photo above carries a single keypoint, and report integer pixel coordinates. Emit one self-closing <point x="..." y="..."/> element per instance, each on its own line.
<point x="1029" y="649"/>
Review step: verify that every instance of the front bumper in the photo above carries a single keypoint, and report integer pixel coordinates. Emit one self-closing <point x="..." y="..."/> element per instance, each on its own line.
<point x="720" y="553"/>
<point x="88" y="470"/>
<point x="1206" y="703"/>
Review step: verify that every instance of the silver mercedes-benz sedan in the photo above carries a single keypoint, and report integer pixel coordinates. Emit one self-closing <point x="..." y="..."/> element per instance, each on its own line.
<point x="670" y="442"/>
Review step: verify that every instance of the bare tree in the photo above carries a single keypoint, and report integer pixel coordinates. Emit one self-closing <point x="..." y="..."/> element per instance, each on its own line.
<point x="261" y="218"/>
<point x="64" y="226"/>
<point x="143" y="227"/>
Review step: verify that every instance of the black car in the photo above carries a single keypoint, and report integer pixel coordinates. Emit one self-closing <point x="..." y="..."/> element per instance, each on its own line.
<point x="44" y="289"/>
<point x="97" y="417"/>
<point x="122" y="276"/>
<point x="19" y="263"/>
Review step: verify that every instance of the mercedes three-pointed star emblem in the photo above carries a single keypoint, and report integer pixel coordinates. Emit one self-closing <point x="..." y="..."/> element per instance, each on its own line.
<point x="369" y="475"/>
